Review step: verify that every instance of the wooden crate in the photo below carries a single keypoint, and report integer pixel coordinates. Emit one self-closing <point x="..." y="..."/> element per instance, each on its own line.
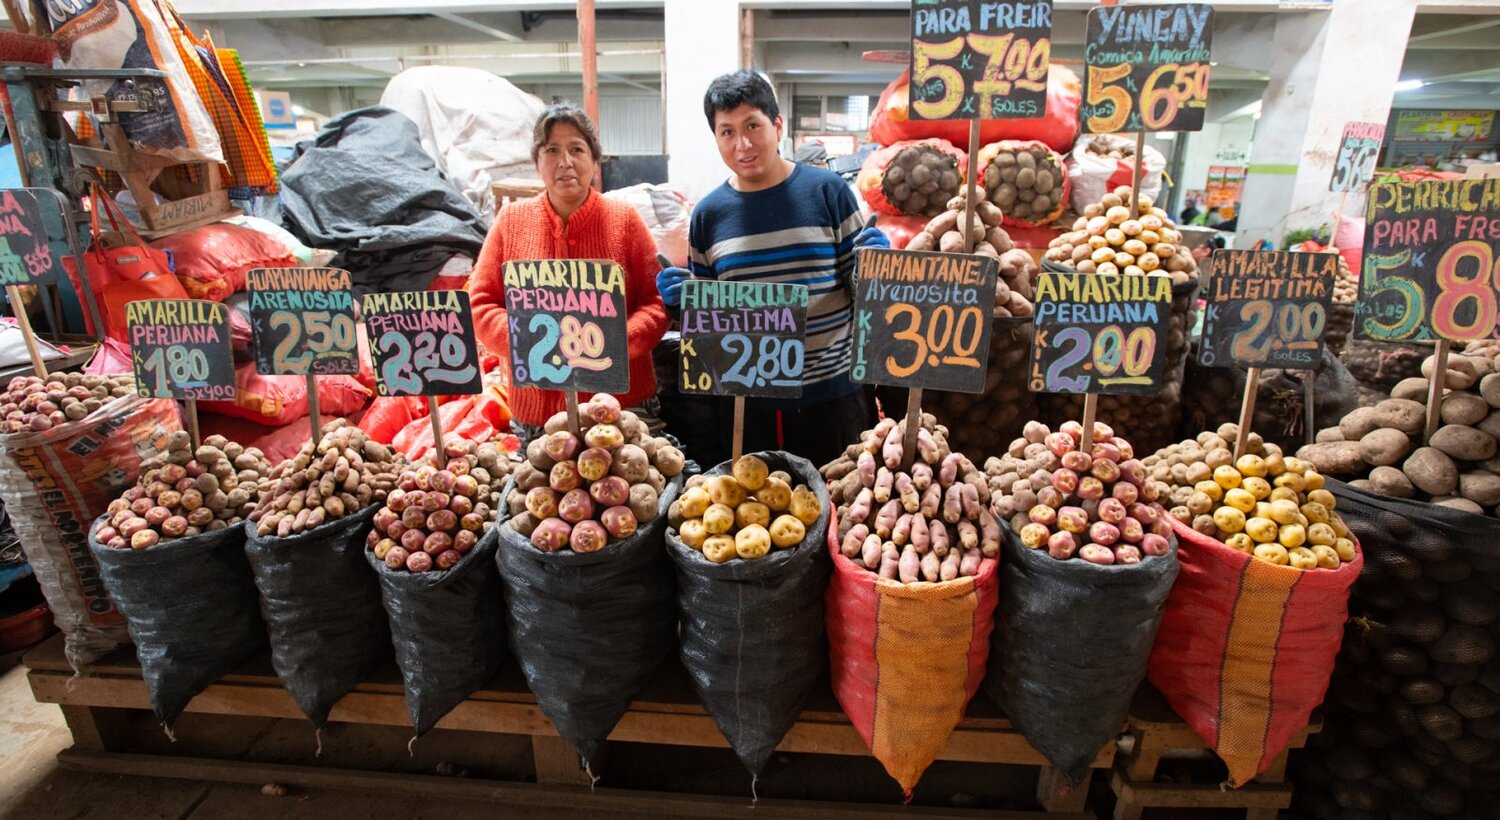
<point x="189" y="199"/>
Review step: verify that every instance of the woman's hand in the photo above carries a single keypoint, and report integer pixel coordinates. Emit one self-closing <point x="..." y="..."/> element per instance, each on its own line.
<point x="669" y="285"/>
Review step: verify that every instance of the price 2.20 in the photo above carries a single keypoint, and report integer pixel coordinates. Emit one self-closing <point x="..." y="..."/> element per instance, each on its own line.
<point x="949" y="338"/>
<point x="1464" y="306"/>
<point x="1166" y="92"/>
<point x="1113" y="356"/>
<point x="325" y="333"/>
<point x="938" y="89"/>
<point x="563" y="346"/>
<point x="183" y="371"/>
<point x="410" y="363"/>
<point x="776" y="361"/>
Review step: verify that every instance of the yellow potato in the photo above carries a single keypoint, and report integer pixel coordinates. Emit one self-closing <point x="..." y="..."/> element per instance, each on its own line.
<point x="1275" y="464"/>
<point x="1339" y="527"/>
<point x="1314" y="481"/>
<point x="750" y="472"/>
<point x="726" y="490"/>
<point x="1284" y="494"/>
<point x="1227" y="477"/>
<point x="1241" y="542"/>
<point x="1302" y="558"/>
<point x="1315" y="512"/>
<point x="1251" y="465"/>
<point x="1284" y="512"/>
<point x="1320" y="496"/>
<point x="751" y="512"/>
<point x="1345" y="548"/>
<point x="1273" y="554"/>
<point x="787" y="531"/>
<point x="775" y="494"/>
<point x="1240" y="499"/>
<point x="752" y="542"/>
<point x="1296" y="465"/>
<point x="719" y="549"/>
<point x="693" y="533"/>
<point x="1292" y="535"/>
<point x="1261" y="530"/>
<point x="1290" y="481"/>
<point x="718" y="519"/>
<point x="694" y="502"/>
<point x="805" y="505"/>
<point x="1328" y="557"/>
<point x="1322" y="534"/>
<point x="1210" y="489"/>
<point x="1258" y="487"/>
<point x="1229" y="519"/>
<point x="1262" y="510"/>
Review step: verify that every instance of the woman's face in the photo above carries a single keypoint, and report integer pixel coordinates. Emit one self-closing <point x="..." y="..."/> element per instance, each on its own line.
<point x="566" y="165"/>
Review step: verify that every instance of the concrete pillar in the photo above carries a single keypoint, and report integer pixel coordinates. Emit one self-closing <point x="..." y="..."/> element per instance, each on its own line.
<point x="702" y="42"/>
<point x="1328" y="68"/>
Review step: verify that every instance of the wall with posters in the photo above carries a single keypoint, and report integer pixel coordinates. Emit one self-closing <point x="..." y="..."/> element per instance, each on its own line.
<point x="1438" y="137"/>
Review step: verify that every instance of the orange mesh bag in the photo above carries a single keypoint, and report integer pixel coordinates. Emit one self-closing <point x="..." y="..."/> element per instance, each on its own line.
<point x="914" y="177"/>
<point x="906" y="658"/>
<point x="1246" y="648"/>
<point x="1058" y="127"/>
<point x="1026" y="179"/>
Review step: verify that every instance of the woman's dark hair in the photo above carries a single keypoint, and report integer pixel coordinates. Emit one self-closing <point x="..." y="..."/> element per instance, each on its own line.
<point x="565" y="114"/>
<point x="729" y="91"/>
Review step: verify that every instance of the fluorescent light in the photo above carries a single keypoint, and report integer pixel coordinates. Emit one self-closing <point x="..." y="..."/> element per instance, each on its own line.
<point x="1408" y="85"/>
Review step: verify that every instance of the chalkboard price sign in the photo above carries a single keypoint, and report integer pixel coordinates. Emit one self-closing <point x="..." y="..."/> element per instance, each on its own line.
<point x="302" y="321"/>
<point x="1268" y="309"/>
<point x="922" y="319"/>
<point x="1100" y="334"/>
<point x="1432" y="261"/>
<point x="422" y="343"/>
<point x="567" y="325"/>
<point x="179" y="349"/>
<point x="971" y="58"/>
<point x="1358" y="150"/>
<point x="1146" y="67"/>
<point x="25" y="256"/>
<point x="743" y="338"/>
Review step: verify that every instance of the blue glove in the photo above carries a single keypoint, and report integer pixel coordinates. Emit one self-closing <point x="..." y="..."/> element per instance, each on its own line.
<point x="669" y="285"/>
<point x="872" y="237"/>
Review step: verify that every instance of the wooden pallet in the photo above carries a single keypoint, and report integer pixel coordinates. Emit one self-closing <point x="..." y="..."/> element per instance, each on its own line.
<point x="97" y="708"/>
<point x="188" y="200"/>
<point x="1155" y="733"/>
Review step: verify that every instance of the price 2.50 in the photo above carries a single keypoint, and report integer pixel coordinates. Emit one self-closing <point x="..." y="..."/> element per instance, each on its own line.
<point x="937" y="89"/>
<point x="1167" y="91"/>
<point x="325" y="334"/>
<point x="1112" y="356"/>
<point x="563" y="346"/>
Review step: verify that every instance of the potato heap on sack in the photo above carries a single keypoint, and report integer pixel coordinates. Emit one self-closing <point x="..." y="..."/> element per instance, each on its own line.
<point x="1341" y="314"/>
<point x="182" y="493"/>
<point x="1025" y="182"/>
<point x="1379" y="449"/>
<point x="1271" y="506"/>
<point x="1106" y="240"/>
<point x="584" y="495"/>
<point x="30" y="404"/>
<point x="438" y="511"/>
<point x="1017" y="269"/>
<point x="920" y="178"/>
<point x="1113" y="148"/>
<point x="927" y="523"/>
<point x="343" y="473"/>
<point x="1097" y="505"/>
<point x="743" y="514"/>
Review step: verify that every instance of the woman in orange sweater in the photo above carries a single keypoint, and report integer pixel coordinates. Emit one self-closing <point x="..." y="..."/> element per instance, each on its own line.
<point x="570" y="220"/>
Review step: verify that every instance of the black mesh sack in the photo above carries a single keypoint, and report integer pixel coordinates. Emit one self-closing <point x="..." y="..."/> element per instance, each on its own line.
<point x="589" y="629"/>
<point x="1070" y="647"/>
<point x="321" y="603"/>
<point x="191" y="608"/>
<point x="447" y="629"/>
<point x="753" y="641"/>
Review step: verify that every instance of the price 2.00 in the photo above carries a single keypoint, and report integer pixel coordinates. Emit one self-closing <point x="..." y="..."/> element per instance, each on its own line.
<point x="571" y="343"/>
<point x="1010" y="62"/>
<point x="949" y="337"/>
<point x="1113" y="356"/>
<point x="410" y="363"/>
<point x="1290" y="326"/>
<point x="1167" y="90"/>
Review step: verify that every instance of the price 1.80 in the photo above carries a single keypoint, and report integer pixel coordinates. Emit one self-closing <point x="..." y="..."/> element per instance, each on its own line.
<point x="1111" y="356"/>
<point x="181" y="371"/>
<point x="1168" y="93"/>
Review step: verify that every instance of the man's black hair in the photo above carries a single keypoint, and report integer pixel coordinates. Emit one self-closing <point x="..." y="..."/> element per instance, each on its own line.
<point x="729" y="91"/>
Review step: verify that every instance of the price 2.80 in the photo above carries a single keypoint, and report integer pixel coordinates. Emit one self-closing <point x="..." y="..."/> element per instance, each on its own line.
<point x="1167" y="91"/>
<point x="777" y="362"/>
<point x="410" y="364"/>
<point x="1113" y="357"/>
<point x="563" y="346"/>
<point x="949" y="338"/>
<point x="1010" y="62"/>
<point x="181" y="371"/>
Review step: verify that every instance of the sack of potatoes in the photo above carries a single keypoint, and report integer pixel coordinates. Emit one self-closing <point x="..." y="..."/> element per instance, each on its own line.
<point x="914" y="177"/>
<point x="945" y="232"/>
<point x="1106" y="239"/>
<point x="1026" y="180"/>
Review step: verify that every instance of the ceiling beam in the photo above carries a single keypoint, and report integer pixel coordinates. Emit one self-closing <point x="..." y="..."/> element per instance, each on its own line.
<point x="475" y="25"/>
<point x="1449" y="32"/>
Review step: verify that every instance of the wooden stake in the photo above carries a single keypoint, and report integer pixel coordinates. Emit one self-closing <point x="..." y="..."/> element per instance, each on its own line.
<point x="1247" y="410"/>
<point x="18" y="307"/>
<point x="313" y="414"/>
<point x="1135" y="175"/>
<point x="913" y="424"/>
<point x="1435" y="384"/>
<point x="192" y="423"/>
<point x="571" y="397"/>
<point x="1309" y="417"/>
<point x="1090" y="412"/>
<point x="971" y="196"/>
<point x="437" y="430"/>
<point x="738" y="447"/>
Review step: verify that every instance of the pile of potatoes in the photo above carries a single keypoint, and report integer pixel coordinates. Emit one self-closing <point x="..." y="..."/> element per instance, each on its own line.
<point x="1379" y="366"/>
<point x="1379" y="449"/>
<point x="437" y="512"/>
<point x="729" y="516"/>
<point x="1106" y="145"/>
<point x="182" y="493"/>
<point x="582" y="495"/>
<point x="1025" y="182"/>
<point x="343" y="473"/>
<point x="928" y="523"/>
<point x="1106" y="240"/>
<point x="30" y="404"/>
<point x="1017" y="269"/>
<point x="1265" y="504"/>
<point x="920" y="178"/>
<point x="1097" y="505"/>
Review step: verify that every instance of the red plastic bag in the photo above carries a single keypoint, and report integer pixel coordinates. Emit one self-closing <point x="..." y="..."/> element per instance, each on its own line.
<point x="283" y="399"/>
<point x="891" y="122"/>
<point x="871" y="180"/>
<point x="1059" y="195"/>
<point x="905" y="659"/>
<point x="901" y="229"/>
<point x="211" y="260"/>
<point x="112" y="357"/>
<point x="1246" y="648"/>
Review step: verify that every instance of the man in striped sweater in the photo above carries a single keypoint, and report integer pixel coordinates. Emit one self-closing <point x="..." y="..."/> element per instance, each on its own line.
<point x="777" y="222"/>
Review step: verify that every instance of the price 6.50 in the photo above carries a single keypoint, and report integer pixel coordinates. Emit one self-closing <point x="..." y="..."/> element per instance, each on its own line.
<point x="949" y="337"/>
<point x="1112" y="355"/>
<point x="1167" y="90"/>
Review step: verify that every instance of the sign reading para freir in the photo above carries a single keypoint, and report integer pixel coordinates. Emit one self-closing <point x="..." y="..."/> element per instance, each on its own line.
<point x="302" y="321"/>
<point x="743" y="338"/>
<point x="922" y="319"/>
<point x="25" y="256"/>
<point x="568" y="325"/>
<point x="1358" y="151"/>
<point x="973" y="59"/>
<point x="1100" y="334"/>
<point x="179" y="349"/>
<point x="422" y="343"/>
<point x="1146" y="67"/>
<point x="1268" y="309"/>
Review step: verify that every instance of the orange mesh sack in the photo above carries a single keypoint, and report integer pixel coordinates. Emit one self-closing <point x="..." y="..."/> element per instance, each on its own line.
<point x="1246" y="648"/>
<point x="1026" y="179"/>
<point x="906" y="658"/>
<point x="914" y="177"/>
<point x="1058" y="127"/>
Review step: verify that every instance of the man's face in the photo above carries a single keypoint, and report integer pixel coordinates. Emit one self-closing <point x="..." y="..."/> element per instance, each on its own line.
<point x="747" y="141"/>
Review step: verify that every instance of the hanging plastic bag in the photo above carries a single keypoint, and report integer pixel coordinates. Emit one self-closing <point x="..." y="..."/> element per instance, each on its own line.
<point x="1101" y="163"/>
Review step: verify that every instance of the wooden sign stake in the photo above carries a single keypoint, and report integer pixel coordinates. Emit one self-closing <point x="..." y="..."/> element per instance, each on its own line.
<point x="971" y="200"/>
<point x="571" y="398"/>
<point x="1135" y="175"/>
<point x="191" y="417"/>
<point x="1247" y="410"/>
<point x="738" y="447"/>
<point x="1090" y="412"/>
<point x="437" y="430"/>
<point x="1435" y="384"/>
<point x="1309" y="418"/>
<point x="313" y="413"/>
<point x="18" y="307"/>
<point x="913" y="424"/>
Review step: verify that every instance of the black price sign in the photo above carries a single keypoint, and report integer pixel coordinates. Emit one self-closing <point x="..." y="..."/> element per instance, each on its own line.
<point x="743" y="338"/>
<point x="922" y="319"/>
<point x="971" y="59"/>
<point x="1358" y="151"/>
<point x="1432" y="261"/>
<point x="567" y="325"/>
<point x="1100" y="334"/>
<point x="302" y="321"/>
<point x="179" y="349"/>
<point x="1268" y="309"/>
<point x="422" y="343"/>
<point x="1146" y="68"/>
<point x="25" y="256"/>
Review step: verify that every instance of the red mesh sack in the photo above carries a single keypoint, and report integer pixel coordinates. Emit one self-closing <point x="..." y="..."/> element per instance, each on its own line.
<point x="905" y="659"/>
<point x="211" y="260"/>
<point x="901" y="229"/>
<point x="891" y="122"/>
<point x="1246" y="648"/>
<point x="1038" y="191"/>
<point x="888" y="186"/>
<point x="283" y="399"/>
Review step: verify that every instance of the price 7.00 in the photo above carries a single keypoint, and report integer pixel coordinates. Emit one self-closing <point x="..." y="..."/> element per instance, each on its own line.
<point x="323" y="334"/>
<point x="1167" y="89"/>
<point x="779" y="363"/>
<point x="182" y="367"/>
<point x="409" y="361"/>
<point x="1116" y="357"/>
<point x="1009" y="61"/>
<point x="578" y="344"/>
<point x="1458" y="285"/>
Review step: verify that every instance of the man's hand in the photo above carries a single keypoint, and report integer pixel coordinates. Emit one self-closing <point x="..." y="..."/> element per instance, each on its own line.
<point x="872" y="237"/>
<point x="669" y="285"/>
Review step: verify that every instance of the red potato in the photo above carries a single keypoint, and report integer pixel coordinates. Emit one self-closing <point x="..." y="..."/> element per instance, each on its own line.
<point x="594" y="464"/>
<point x="575" y="506"/>
<point x="418" y="562"/>
<point x="396" y="558"/>
<point x="1096" y="554"/>
<point x="437" y="543"/>
<point x="610" y="491"/>
<point x="1112" y="510"/>
<point x="618" y="521"/>
<point x="1061" y="546"/>
<point x="560" y="446"/>
<point x="603" y="409"/>
<point x="937" y="533"/>
<point x="1155" y="545"/>
<point x="551" y="535"/>
<point x="564" y="476"/>
<point x="448" y="560"/>
<point x="854" y="541"/>
<point x="1072" y="519"/>
<point x="588" y="536"/>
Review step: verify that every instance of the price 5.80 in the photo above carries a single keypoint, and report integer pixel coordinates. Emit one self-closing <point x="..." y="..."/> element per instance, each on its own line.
<point x="1465" y="306"/>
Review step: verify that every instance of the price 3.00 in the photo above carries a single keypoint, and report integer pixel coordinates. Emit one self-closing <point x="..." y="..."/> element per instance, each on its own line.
<point x="949" y="338"/>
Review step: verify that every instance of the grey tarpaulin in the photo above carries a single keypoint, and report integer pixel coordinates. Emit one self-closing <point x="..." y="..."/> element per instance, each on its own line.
<point x="447" y="627"/>
<point x="589" y="629"/>
<point x="1070" y="647"/>
<point x="321" y="603"/>
<point x="191" y="608"/>
<point x="752" y="631"/>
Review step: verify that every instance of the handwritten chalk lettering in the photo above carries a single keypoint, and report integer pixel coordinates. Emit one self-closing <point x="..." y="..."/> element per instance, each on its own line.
<point x="1146" y="68"/>
<point x="180" y="349"/>
<point x="743" y="338"/>
<point x="1099" y="334"/>
<point x="302" y="321"/>
<point x="422" y="343"/>
<point x="1358" y="151"/>
<point x="567" y="320"/>
<point x="25" y="255"/>
<point x="980" y="59"/>
<point x="1268" y="309"/>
